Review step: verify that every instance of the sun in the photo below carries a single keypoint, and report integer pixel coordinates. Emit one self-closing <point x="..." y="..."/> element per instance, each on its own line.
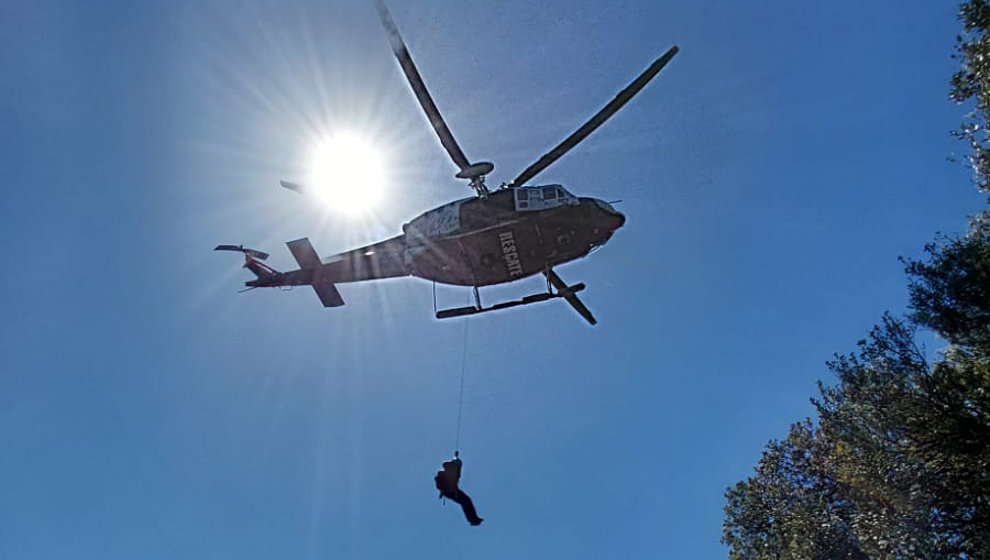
<point x="346" y="173"/>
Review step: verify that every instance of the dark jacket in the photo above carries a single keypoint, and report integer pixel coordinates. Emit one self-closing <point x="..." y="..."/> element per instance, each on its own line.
<point x="448" y="478"/>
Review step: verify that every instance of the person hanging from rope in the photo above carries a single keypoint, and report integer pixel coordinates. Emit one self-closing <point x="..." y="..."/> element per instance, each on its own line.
<point x="446" y="481"/>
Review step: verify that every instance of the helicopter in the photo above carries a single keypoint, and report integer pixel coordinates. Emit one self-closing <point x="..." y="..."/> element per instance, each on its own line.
<point x="493" y="237"/>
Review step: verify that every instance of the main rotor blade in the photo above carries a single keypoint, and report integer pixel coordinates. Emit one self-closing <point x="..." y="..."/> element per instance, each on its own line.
<point x="419" y="88"/>
<point x="603" y="115"/>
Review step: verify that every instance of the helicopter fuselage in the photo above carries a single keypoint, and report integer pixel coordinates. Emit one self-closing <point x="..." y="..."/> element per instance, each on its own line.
<point x="508" y="235"/>
<point x="500" y="238"/>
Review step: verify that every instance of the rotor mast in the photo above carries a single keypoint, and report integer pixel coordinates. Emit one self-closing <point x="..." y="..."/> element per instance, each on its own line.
<point x="475" y="174"/>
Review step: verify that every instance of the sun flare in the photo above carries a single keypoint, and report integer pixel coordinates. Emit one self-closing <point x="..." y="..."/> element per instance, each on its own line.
<point x="346" y="173"/>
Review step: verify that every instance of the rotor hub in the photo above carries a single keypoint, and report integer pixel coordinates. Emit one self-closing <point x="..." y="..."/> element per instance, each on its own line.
<point x="475" y="173"/>
<point x="479" y="169"/>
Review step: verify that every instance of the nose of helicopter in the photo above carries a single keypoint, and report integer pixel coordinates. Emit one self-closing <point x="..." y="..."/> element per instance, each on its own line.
<point x="619" y="220"/>
<point x="613" y="218"/>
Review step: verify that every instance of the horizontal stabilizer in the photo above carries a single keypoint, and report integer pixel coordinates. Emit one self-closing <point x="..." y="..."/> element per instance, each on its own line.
<point x="304" y="253"/>
<point x="328" y="294"/>
<point x="307" y="258"/>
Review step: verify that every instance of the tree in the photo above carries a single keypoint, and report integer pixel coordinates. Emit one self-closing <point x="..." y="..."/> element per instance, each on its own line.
<point x="870" y="415"/>
<point x="950" y="291"/>
<point x="852" y="487"/>
<point x="896" y="468"/>
<point x="950" y="294"/>
<point x="794" y="507"/>
<point x="952" y="437"/>
<point x="971" y="84"/>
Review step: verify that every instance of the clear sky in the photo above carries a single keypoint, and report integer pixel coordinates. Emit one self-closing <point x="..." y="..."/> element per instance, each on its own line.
<point x="771" y="175"/>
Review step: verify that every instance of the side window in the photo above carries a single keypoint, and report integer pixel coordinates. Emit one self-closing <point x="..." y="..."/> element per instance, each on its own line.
<point x="522" y="198"/>
<point x="549" y="193"/>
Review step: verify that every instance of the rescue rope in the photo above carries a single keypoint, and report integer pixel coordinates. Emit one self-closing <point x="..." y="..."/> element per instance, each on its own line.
<point x="460" y="396"/>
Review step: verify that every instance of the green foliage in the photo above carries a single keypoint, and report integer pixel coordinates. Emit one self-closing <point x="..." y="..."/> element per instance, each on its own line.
<point x="972" y="84"/>
<point x="794" y="507"/>
<point x="870" y="415"/>
<point x="952" y="437"/>
<point x="898" y="467"/>
<point x="950" y="292"/>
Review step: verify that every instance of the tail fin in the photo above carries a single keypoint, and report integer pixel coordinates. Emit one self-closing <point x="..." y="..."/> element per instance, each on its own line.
<point x="252" y="260"/>
<point x="323" y="284"/>
<point x="260" y="269"/>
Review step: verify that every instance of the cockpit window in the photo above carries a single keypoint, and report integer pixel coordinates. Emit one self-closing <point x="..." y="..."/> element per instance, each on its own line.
<point x="543" y="197"/>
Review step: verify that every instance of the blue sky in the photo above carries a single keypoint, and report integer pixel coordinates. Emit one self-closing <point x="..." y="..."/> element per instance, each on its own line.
<point x="771" y="176"/>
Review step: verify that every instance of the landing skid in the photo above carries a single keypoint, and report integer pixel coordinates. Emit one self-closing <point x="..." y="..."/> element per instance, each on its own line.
<point x="569" y="293"/>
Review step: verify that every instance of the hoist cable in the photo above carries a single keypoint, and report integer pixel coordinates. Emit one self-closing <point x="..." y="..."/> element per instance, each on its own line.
<point x="460" y="396"/>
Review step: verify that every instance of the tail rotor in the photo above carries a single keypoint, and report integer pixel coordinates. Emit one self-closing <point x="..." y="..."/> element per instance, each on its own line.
<point x="252" y="260"/>
<point x="242" y="249"/>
